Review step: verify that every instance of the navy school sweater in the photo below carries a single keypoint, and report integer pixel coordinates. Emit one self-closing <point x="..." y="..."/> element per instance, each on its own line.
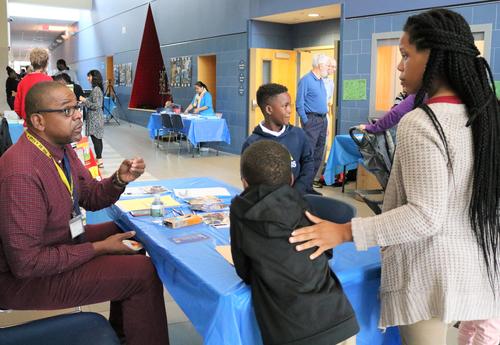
<point x="295" y="140"/>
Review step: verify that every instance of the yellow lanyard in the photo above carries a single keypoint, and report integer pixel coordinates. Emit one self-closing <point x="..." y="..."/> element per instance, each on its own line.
<point x="62" y="175"/>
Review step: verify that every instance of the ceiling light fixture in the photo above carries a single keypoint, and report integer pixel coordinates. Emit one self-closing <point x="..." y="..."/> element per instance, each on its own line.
<point x="313" y="15"/>
<point x="57" y="28"/>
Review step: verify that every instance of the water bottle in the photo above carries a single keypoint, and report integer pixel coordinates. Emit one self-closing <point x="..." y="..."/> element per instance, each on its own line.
<point x="157" y="210"/>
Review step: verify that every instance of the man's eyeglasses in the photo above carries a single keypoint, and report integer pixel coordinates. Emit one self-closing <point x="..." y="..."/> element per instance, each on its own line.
<point x="68" y="112"/>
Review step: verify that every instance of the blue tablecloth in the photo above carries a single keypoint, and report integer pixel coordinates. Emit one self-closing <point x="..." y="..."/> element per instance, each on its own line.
<point x="198" y="129"/>
<point x="344" y="152"/>
<point x="216" y="300"/>
<point x="16" y="129"/>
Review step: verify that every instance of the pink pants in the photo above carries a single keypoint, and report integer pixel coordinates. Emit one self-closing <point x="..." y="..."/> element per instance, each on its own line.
<point x="480" y="332"/>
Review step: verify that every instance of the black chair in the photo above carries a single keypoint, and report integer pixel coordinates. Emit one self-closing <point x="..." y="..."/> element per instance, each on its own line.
<point x="177" y="127"/>
<point x="166" y="122"/>
<point x="333" y="210"/>
<point x="75" y="329"/>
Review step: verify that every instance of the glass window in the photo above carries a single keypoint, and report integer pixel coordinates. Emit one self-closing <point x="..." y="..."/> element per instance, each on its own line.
<point x="384" y="83"/>
<point x="266" y="71"/>
<point x="387" y="83"/>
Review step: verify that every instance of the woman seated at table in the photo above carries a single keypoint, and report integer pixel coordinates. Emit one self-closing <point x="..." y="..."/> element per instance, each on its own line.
<point x="202" y="101"/>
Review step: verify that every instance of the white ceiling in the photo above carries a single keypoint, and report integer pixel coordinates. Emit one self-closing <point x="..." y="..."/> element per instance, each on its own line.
<point x="27" y="33"/>
<point x="301" y="16"/>
<point x="78" y="4"/>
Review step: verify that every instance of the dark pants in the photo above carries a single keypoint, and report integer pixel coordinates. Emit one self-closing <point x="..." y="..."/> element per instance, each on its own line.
<point x="130" y="282"/>
<point x="315" y="129"/>
<point x="97" y="146"/>
<point x="10" y="102"/>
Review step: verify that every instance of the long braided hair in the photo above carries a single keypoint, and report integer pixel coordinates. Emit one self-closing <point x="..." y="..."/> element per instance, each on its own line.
<point x="455" y="61"/>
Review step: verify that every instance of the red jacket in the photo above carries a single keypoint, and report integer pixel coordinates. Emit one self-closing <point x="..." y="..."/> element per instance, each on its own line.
<point x="22" y="90"/>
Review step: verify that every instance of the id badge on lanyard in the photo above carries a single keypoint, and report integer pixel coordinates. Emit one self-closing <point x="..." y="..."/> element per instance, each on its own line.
<point x="76" y="226"/>
<point x="77" y="221"/>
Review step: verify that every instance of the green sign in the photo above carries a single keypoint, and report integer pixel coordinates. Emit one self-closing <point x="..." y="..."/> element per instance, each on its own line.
<point x="354" y="90"/>
<point x="497" y="87"/>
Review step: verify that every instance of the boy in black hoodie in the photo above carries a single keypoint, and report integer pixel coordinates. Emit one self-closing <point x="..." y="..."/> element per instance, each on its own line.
<point x="274" y="101"/>
<point x="297" y="301"/>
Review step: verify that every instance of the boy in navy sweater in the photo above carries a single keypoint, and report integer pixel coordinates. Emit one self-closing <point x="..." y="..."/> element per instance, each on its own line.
<point x="274" y="101"/>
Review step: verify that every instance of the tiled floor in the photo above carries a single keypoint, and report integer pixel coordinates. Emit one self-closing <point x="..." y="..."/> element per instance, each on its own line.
<point x="127" y="141"/>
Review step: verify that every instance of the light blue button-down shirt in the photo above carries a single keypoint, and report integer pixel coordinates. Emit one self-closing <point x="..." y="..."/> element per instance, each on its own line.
<point x="311" y="96"/>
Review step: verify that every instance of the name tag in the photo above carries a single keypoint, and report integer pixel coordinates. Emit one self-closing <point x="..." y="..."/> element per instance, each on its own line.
<point x="76" y="226"/>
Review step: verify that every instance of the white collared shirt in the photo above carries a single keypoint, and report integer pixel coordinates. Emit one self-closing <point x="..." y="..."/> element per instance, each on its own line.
<point x="273" y="133"/>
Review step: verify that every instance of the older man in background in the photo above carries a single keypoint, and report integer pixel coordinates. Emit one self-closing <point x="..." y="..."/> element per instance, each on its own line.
<point x="312" y="107"/>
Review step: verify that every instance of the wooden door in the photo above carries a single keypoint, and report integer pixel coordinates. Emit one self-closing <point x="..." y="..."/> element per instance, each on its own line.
<point x="271" y="66"/>
<point x="207" y="73"/>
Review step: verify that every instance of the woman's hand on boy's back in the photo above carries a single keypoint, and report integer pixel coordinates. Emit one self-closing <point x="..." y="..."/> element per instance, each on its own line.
<point x="323" y="234"/>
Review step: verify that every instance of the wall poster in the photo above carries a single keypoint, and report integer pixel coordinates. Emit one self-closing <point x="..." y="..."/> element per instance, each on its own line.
<point x="180" y="71"/>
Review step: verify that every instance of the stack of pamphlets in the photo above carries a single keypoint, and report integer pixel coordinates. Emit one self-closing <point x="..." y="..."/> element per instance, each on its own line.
<point x="207" y="204"/>
<point x="216" y="219"/>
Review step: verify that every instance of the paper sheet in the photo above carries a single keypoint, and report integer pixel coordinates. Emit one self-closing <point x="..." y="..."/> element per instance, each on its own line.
<point x="144" y="203"/>
<point x="225" y="251"/>
<point x="146" y="190"/>
<point x="199" y="192"/>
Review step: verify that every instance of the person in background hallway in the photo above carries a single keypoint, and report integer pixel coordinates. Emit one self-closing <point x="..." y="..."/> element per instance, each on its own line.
<point x="439" y="230"/>
<point x="48" y="258"/>
<point x="39" y="58"/>
<point x="63" y="68"/>
<point x="330" y="91"/>
<point x="392" y="117"/>
<point x="311" y="105"/>
<point x="65" y="79"/>
<point x="402" y="105"/>
<point x="400" y="98"/>
<point x="22" y="74"/>
<point x="95" y="115"/>
<point x="202" y="101"/>
<point x="11" y="86"/>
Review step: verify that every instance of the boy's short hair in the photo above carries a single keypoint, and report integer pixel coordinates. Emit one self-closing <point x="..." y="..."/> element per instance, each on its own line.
<point x="37" y="97"/>
<point x="266" y="162"/>
<point x="268" y="91"/>
<point x="62" y="76"/>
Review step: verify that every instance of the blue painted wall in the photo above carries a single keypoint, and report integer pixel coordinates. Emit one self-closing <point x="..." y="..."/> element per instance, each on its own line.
<point x="283" y="36"/>
<point x="361" y="8"/>
<point x="356" y="50"/>
<point x="270" y="35"/>
<point x="259" y="8"/>
<point x="316" y="34"/>
<point x="187" y="20"/>
<point x="185" y="28"/>
<point x="229" y="51"/>
<point x="117" y="30"/>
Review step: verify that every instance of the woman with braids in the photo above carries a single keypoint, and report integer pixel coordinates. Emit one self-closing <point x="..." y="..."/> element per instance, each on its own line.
<point x="439" y="231"/>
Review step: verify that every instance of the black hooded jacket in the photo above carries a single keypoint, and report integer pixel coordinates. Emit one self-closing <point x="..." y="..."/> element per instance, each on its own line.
<point x="302" y="160"/>
<point x="297" y="301"/>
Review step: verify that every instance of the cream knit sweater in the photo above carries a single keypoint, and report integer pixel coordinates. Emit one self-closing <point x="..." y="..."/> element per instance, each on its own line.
<point x="431" y="263"/>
